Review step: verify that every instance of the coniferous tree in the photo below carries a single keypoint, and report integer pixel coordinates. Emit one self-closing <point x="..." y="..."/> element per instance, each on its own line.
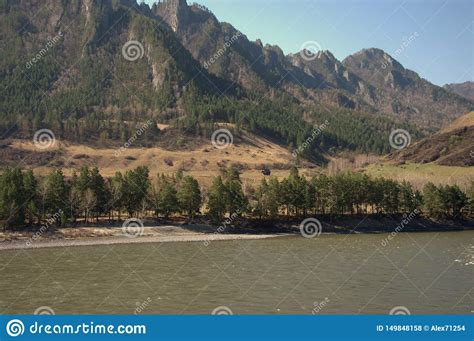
<point x="216" y="199"/>
<point x="454" y="200"/>
<point x="117" y="193"/>
<point x="273" y="197"/>
<point x="56" y="195"/>
<point x="12" y="197"/>
<point x="136" y="185"/>
<point x="75" y="197"/>
<point x="189" y="196"/>
<point x="433" y="201"/>
<point x="261" y="208"/>
<point x="31" y="195"/>
<point x="167" y="198"/>
<point x="97" y="185"/>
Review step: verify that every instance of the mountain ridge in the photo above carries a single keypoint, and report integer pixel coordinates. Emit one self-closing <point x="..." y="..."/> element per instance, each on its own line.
<point x="465" y="89"/>
<point x="397" y="92"/>
<point x="85" y="87"/>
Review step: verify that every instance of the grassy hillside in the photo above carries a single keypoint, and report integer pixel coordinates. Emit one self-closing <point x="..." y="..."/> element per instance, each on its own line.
<point x="420" y="174"/>
<point x="200" y="159"/>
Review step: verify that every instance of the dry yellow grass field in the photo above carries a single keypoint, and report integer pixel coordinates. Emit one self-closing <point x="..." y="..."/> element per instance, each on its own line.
<point x="420" y="174"/>
<point x="202" y="162"/>
<point x="466" y="120"/>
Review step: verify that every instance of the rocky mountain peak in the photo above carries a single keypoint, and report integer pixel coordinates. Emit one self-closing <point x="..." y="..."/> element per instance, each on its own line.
<point x="326" y="55"/>
<point x="373" y="58"/>
<point x="174" y="12"/>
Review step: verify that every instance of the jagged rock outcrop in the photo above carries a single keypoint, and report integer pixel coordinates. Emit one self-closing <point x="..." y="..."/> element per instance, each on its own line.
<point x="174" y="12"/>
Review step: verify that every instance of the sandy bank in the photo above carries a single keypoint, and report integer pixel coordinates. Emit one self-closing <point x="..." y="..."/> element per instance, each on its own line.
<point x="94" y="236"/>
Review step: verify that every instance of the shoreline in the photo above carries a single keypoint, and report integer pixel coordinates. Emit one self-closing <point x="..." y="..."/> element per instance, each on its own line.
<point x="112" y="235"/>
<point x="115" y="240"/>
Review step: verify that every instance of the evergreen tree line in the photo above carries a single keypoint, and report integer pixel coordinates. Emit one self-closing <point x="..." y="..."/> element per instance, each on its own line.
<point x="87" y="196"/>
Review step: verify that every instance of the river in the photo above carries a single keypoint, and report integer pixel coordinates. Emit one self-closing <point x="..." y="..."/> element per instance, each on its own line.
<point x="420" y="273"/>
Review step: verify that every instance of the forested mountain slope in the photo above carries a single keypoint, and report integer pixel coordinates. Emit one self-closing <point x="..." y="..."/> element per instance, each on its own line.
<point x="95" y="71"/>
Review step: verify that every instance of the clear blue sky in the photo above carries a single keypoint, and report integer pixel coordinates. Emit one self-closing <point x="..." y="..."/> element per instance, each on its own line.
<point x="442" y="51"/>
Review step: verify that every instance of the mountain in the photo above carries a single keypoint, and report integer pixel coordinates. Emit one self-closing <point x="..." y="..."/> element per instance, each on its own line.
<point x="402" y="93"/>
<point x="72" y="52"/>
<point x="465" y="89"/>
<point x="370" y="80"/>
<point x="451" y="146"/>
<point x="96" y="71"/>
